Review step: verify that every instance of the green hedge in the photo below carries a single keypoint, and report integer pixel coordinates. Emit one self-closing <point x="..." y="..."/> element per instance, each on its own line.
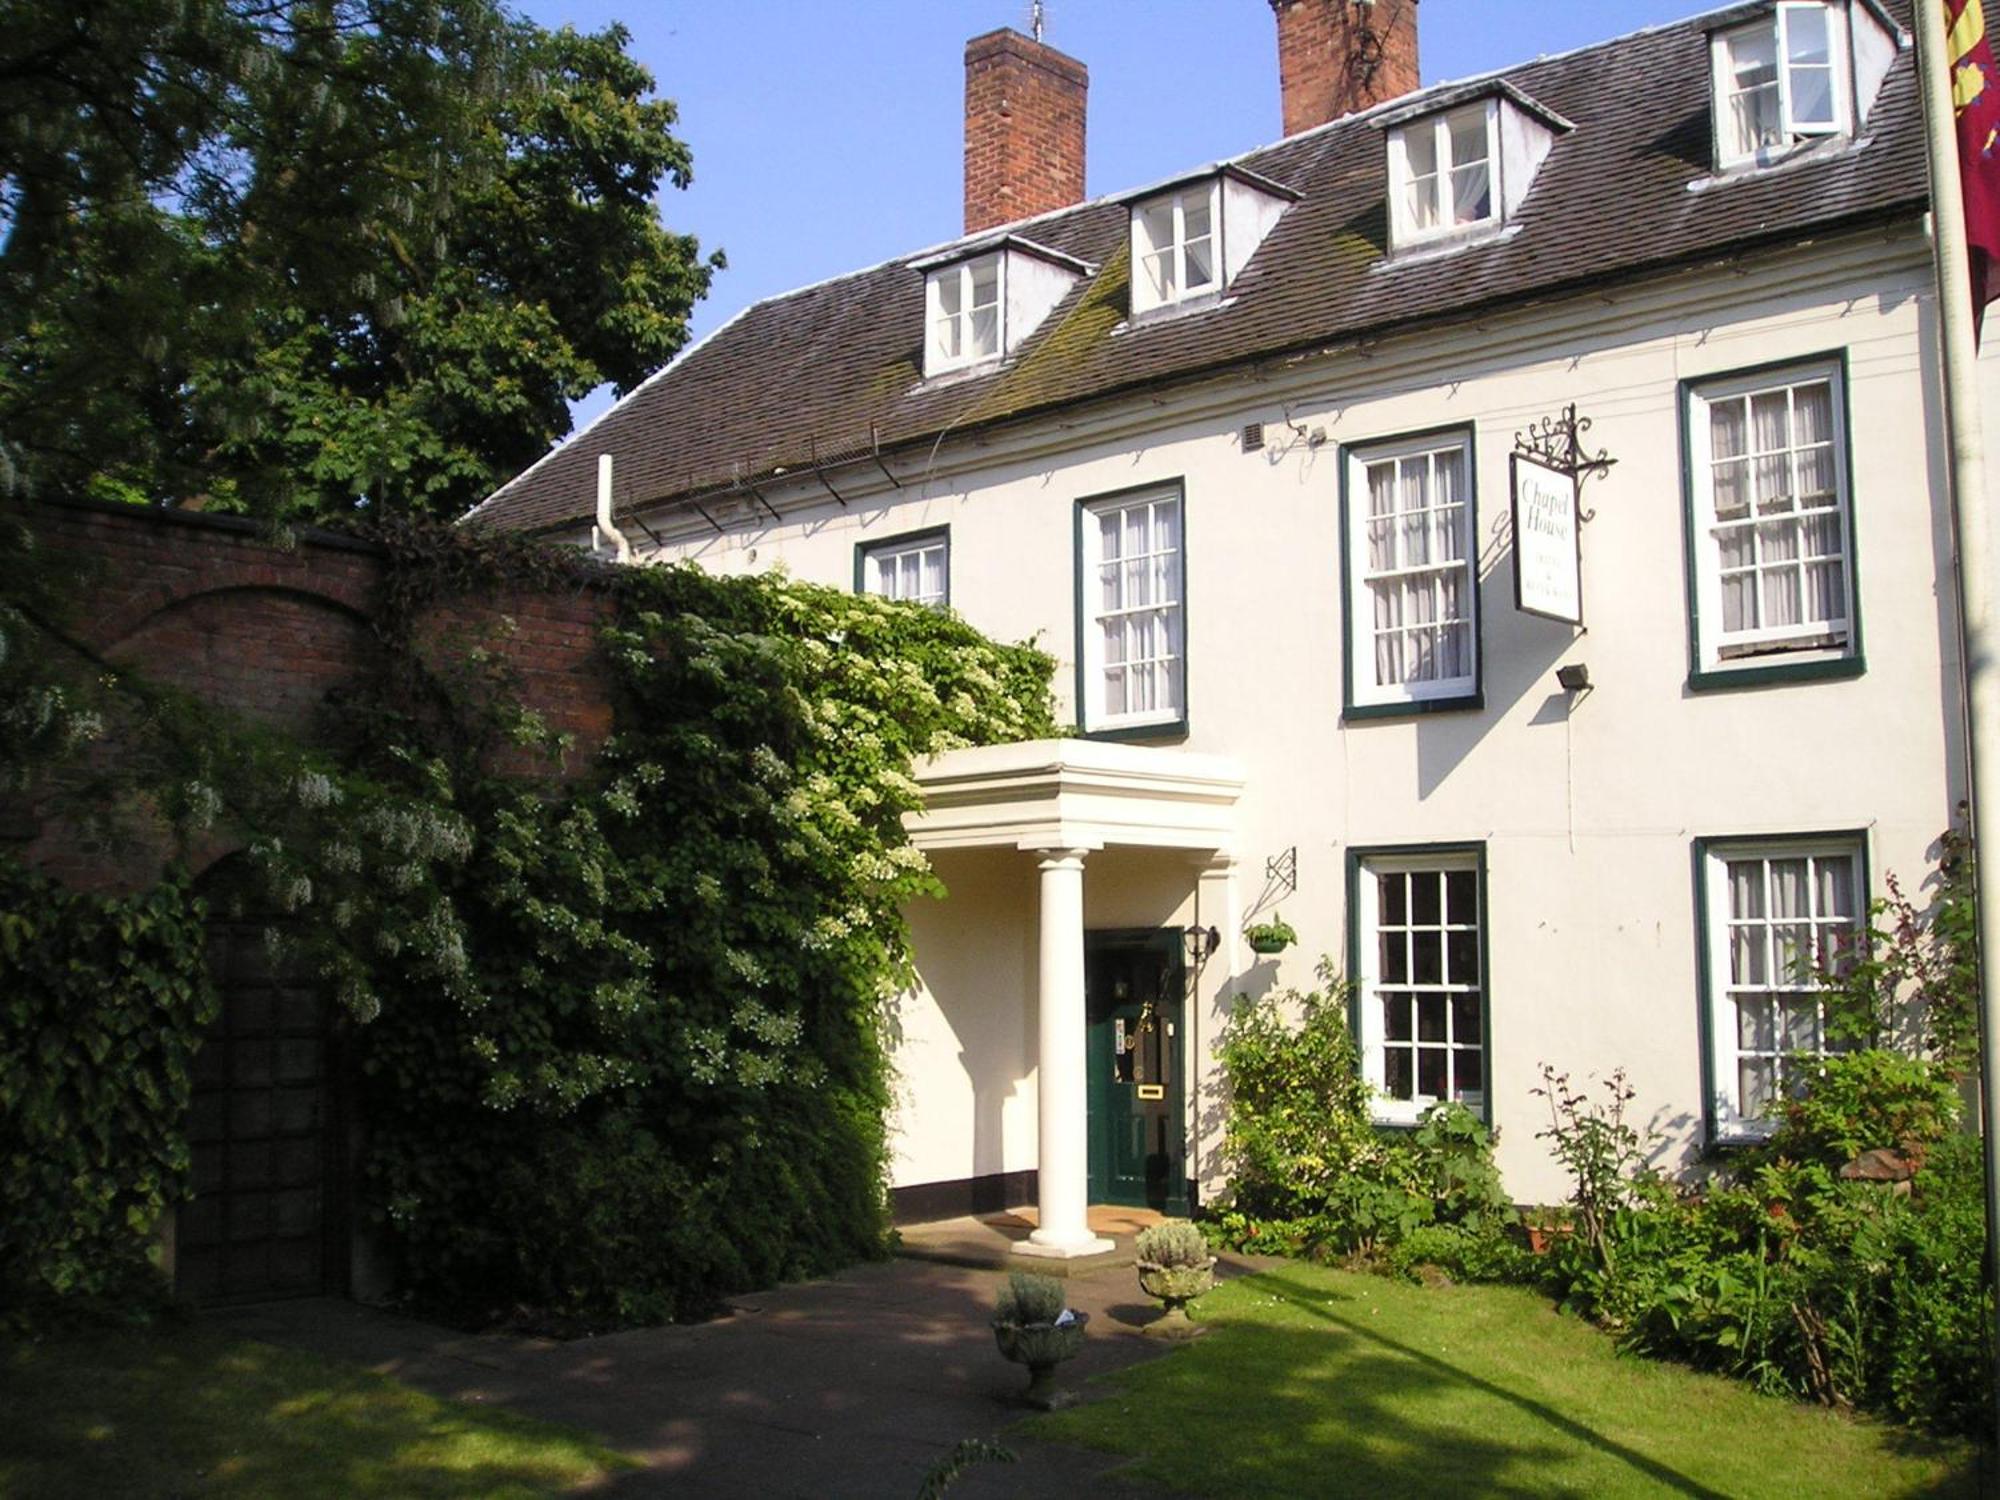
<point x="102" y="1004"/>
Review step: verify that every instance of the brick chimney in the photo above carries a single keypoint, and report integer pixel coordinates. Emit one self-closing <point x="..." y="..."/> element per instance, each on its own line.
<point x="1023" y="129"/>
<point x="1338" y="56"/>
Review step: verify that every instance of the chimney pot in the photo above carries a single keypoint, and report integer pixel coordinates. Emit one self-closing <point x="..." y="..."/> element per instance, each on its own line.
<point x="1024" y="129"/>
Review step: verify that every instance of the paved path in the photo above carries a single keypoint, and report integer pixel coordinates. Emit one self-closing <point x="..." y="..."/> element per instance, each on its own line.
<point x="851" y="1386"/>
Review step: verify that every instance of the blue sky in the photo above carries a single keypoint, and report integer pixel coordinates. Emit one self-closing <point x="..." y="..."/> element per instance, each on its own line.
<point x="827" y="133"/>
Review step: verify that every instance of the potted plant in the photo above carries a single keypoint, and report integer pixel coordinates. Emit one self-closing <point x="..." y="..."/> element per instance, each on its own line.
<point x="1033" y="1327"/>
<point x="1274" y="936"/>
<point x="1174" y="1268"/>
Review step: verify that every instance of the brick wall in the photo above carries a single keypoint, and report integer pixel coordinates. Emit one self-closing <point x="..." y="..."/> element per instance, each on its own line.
<point x="1338" y="56"/>
<point x="208" y="605"/>
<point x="1024" y="129"/>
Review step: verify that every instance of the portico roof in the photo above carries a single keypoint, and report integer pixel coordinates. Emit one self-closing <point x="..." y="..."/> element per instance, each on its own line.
<point x="1076" y="794"/>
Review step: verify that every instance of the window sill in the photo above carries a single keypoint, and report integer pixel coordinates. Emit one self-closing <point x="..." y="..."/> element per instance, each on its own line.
<point x="1168" y="312"/>
<point x="1775" y="673"/>
<point x="1413" y="708"/>
<point x="1164" y="729"/>
<point x="1416" y="252"/>
<point x="1804" y="153"/>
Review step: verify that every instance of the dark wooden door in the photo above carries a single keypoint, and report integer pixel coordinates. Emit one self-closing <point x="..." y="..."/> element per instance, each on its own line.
<point x="1132" y="990"/>
<point x="260" y="1133"/>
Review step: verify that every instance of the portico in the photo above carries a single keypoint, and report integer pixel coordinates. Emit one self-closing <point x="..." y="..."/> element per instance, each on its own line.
<point x="1059" y="803"/>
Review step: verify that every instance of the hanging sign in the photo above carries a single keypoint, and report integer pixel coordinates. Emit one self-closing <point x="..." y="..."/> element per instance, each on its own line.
<point x="1548" y="551"/>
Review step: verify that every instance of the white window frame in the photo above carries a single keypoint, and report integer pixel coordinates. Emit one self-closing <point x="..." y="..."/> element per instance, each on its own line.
<point x="1405" y="230"/>
<point x="937" y="360"/>
<point x="1094" y="619"/>
<point x="1720" y="650"/>
<point x="883" y="575"/>
<point x="1143" y="298"/>
<point x="1464" y="1005"/>
<point x="1720" y="926"/>
<point x="1364" y="691"/>
<point x="1793" y="132"/>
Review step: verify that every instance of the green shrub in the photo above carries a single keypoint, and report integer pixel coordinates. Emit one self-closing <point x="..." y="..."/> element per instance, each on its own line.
<point x="1174" y="1243"/>
<point x="1464" y="1252"/>
<point x="1782" y="1274"/>
<point x="1310" y="1173"/>
<point x="1029" y="1299"/>
<point x="102" y="1005"/>
<point x="1860" y="1101"/>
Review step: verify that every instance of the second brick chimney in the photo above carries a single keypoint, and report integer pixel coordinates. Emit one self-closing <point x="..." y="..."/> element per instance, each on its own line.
<point x="1024" y="110"/>
<point x="1338" y="56"/>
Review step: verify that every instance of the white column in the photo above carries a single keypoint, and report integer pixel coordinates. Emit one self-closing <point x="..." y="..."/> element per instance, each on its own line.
<point x="1063" y="1153"/>
<point x="1217" y="904"/>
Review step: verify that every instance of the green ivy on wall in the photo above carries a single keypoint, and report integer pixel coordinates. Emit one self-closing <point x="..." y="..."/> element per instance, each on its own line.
<point x="623" y="1034"/>
<point x="101" y="1002"/>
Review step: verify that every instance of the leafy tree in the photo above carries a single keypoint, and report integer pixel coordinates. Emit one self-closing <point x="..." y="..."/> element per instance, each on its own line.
<point x="281" y="255"/>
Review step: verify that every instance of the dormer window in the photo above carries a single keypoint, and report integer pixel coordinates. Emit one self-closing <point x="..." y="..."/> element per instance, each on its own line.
<point x="1174" y="247"/>
<point x="1781" y="81"/>
<point x="1461" y="162"/>
<point x="965" y="306"/>
<point x="1441" y="172"/>
<point x="1193" y="236"/>
<point x="983" y="299"/>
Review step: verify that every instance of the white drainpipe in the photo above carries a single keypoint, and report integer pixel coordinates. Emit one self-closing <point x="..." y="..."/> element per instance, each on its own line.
<point x="605" y="529"/>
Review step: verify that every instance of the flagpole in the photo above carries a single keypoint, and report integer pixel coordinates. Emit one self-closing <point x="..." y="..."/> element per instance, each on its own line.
<point x="1958" y="346"/>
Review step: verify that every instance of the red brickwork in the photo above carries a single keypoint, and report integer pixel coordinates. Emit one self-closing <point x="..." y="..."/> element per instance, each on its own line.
<point x="1339" y="56"/>
<point x="210" y="606"/>
<point x="1024" y="129"/>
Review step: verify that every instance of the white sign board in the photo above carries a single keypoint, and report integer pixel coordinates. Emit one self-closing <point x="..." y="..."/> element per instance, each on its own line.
<point x="1548" y="556"/>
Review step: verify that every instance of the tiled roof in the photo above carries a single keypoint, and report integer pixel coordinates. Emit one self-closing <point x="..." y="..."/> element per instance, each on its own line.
<point x="833" y="371"/>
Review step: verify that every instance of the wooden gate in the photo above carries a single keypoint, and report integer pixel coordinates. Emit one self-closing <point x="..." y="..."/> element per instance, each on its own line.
<point x="263" y="1223"/>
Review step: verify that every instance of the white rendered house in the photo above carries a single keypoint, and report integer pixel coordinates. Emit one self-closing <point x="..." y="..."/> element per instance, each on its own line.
<point x="1240" y="449"/>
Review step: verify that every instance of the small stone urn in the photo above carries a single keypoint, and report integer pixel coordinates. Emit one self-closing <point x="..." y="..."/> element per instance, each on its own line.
<point x="1174" y="1269"/>
<point x="1032" y="1327"/>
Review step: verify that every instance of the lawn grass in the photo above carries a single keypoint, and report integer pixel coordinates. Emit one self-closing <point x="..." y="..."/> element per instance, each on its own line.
<point x="1315" y="1382"/>
<point x="187" y="1412"/>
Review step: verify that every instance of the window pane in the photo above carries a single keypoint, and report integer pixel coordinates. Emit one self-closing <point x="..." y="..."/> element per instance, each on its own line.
<point x="1469" y="1070"/>
<point x="1431" y="1073"/>
<point x="1427" y="956"/>
<point x="1809" y="61"/>
<point x="1471" y="193"/>
<point x="1159" y="272"/>
<point x="985" y="332"/>
<point x="1200" y="263"/>
<point x="1395" y="958"/>
<point x="985" y="283"/>
<point x="1398" y="1022"/>
<point x="1420" y="149"/>
<point x="1431" y="1018"/>
<point x="1465" y="1019"/>
<point x="1156" y="227"/>
<point x="1462" y="958"/>
<point x="1395" y="900"/>
<point x="1426" y="906"/>
<point x="1398" y="1073"/>
<point x="1420" y="191"/>
<point x="1751" y="89"/>
<point x="1462" y="896"/>
<point x="1754" y="1083"/>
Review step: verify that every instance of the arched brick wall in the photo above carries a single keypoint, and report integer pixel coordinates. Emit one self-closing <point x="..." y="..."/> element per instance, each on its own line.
<point x="277" y="633"/>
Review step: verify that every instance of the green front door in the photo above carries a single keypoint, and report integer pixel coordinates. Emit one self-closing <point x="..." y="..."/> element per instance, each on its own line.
<point x="1133" y="988"/>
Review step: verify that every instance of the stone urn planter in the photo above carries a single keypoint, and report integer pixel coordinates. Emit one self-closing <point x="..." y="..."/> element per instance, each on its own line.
<point x="1032" y="1327"/>
<point x="1174" y="1269"/>
<point x="1175" y="1287"/>
<point x="1041" y="1347"/>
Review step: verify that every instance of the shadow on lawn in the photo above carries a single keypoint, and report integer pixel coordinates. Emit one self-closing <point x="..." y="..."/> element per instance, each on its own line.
<point x="1652" y="1468"/>
<point x="185" y="1412"/>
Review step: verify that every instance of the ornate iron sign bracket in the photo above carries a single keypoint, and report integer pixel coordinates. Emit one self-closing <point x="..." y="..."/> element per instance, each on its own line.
<point x="1558" y="443"/>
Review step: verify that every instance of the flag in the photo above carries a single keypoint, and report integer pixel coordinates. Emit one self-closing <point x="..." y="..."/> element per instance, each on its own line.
<point x="1975" y="98"/>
